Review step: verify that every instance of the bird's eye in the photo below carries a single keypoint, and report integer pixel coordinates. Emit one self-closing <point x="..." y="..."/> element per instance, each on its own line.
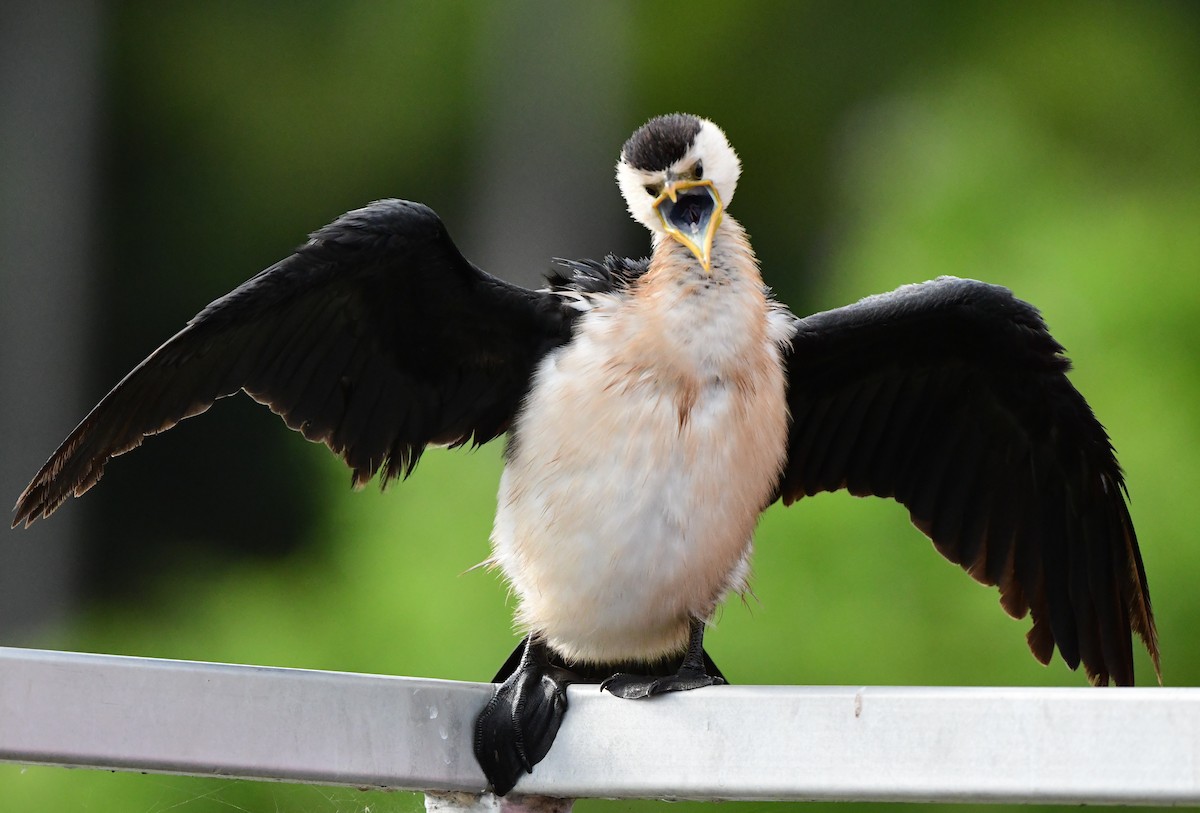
<point x="652" y="189"/>
<point x="698" y="170"/>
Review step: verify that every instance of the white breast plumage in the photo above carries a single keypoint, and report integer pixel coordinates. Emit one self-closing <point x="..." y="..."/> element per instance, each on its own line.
<point x="644" y="454"/>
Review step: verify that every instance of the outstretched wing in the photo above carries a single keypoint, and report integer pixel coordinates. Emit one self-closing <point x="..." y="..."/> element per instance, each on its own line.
<point x="952" y="397"/>
<point x="376" y="338"/>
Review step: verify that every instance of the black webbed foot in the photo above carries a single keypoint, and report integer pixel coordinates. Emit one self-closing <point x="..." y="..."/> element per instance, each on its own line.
<point x="695" y="672"/>
<point x="516" y="728"/>
<point x="635" y="687"/>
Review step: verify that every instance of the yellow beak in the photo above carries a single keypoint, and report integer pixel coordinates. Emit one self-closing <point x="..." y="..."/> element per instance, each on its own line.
<point x="691" y="212"/>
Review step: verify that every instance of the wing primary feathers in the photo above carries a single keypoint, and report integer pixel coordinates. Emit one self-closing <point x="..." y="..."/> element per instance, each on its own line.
<point x="970" y="494"/>
<point x="299" y="388"/>
<point x="892" y="453"/>
<point x="840" y="446"/>
<point x="911" y="453"/>
<point x="1104" y="578"/>
<point x="954" y="510"/>
<point x="364" y="339"/>
<point x="356" y="420"/>
<point x="1074" y="555"/>
<point x="1002" y="529"/>
<point x="1026" y="566"/>
<point x="289" y="370"/>
<point x="875" y="425"/>
<point x="932" y="469"/>
<point x="951" y="396"/>
<point x="804" y="448"/>
<point x="840" y="411"/>
<point x="998" y="558"/>
<point x="326" y="397"/>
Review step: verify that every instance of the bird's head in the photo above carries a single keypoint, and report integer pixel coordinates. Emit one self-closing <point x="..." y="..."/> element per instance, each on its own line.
<point x="678" y="174"/>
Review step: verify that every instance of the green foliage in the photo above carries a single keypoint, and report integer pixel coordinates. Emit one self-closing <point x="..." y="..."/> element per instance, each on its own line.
<point x="1053" y="151"/>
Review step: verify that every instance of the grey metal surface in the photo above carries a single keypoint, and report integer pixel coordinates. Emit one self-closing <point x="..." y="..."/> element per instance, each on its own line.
<point x="883" y="744"/>
<point x="103" y="711"/>
<point x="744" y="742"/>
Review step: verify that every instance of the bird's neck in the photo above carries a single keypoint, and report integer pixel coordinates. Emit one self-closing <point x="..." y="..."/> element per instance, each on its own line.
<point x="732" y="259"/>
<point x="707" y="323"/>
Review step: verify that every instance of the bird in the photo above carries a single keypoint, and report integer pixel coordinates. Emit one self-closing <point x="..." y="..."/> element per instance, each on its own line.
<point x="653" y="408"/>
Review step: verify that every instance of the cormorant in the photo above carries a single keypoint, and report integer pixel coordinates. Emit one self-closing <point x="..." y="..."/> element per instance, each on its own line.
<point x="654" y="408"/>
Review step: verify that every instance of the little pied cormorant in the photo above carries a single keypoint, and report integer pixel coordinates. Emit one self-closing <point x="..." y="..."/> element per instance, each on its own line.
<point x="654" y="408"/>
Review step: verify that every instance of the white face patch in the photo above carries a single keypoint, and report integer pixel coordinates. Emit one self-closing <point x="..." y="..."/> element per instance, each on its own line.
<point x="721" y="164"/>
<point x="710" y="147"/>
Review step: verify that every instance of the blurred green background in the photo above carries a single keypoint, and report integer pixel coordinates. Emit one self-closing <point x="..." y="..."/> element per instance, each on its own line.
<point x="1051" y="148"/>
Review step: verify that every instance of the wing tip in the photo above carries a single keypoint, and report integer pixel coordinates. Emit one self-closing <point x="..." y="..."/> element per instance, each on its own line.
<point x="39" y="500"/>
<point x="1147" y="632"/>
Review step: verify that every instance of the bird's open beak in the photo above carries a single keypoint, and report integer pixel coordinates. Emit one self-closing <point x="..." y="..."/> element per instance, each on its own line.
<point x="691" y="212"/>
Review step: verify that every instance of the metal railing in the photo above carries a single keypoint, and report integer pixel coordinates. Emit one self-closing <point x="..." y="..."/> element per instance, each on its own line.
<point x="912" y="744"/>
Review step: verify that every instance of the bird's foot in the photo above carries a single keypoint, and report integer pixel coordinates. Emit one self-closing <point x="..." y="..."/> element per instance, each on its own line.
<point x="635" y="687"/>
<point x="695" y="672"/>
<point x="517" y="727"/>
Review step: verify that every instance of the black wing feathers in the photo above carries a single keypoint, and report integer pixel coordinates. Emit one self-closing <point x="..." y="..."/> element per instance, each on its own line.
<point x="611" y="274"/>
<point x="952" y="397"/>
<point x="375" y="338"/>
